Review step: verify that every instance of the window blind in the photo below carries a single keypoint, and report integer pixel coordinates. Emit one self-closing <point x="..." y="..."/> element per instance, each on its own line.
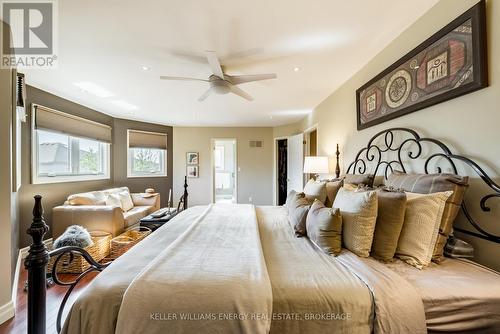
<point x="143" y="139"/>
<point x="50" y="119"/>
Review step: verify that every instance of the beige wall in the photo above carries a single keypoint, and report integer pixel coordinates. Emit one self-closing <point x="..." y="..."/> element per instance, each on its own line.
<point x="256" y="164"/>
<point x="7" y="198"/>
<point x="469" y="124"/>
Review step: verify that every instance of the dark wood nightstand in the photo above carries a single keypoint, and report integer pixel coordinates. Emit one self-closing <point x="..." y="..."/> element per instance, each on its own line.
<point x="155" y="223"/>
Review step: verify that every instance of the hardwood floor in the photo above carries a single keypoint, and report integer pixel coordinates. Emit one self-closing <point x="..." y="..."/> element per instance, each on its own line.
<point x="18" y="324"/>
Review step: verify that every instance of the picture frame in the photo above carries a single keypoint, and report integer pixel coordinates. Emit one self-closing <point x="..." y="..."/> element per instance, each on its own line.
<point x="192" y="158"/>
<point x="451" y="63"/>
<point x="192" y="171"/>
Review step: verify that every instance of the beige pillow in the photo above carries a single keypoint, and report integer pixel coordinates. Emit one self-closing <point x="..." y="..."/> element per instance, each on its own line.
<point x="324" y="228"/>
<point x="421" y="226"/>
<point x="432" y="183"/>
<point x="332" y="188"/>
<point x="297" y="214"/>
<point x="359" y="214"/>
<point x="127" y="203"/>
<point x="315" y="190"/>
<point x="390" y="219"/>
<point x="114" y="200"/>
<point x="292" y="196"/>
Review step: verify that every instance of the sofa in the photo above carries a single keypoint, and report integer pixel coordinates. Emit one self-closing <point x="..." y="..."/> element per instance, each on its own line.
<point x="112" y="210"/>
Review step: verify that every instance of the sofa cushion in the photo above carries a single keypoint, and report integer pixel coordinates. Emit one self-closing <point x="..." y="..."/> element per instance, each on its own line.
<point x="115" y="190"/>
<point x="127" y="203"/>
<point x="133" y="216"/>
<point x="114" y="200"/>
<point x="89" y="198"/>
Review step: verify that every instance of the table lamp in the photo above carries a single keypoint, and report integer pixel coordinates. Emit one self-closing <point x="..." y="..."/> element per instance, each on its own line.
<point x="316" y="166"/>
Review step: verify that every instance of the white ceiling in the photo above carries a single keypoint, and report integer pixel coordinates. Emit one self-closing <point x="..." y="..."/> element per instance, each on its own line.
<point x="107" y="42"/>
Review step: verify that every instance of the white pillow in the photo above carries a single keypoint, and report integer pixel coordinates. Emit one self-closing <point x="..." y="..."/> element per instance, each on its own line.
<point x="359" y="215"/>
<point x="126" y="200"/>
<point x="421" y="227"/>
<point x="114" y="200"/>
<point x="315" y="190"/>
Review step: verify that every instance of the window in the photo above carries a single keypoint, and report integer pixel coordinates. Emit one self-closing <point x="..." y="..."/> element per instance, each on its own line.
<point x="147" y="162"/>
<point x="147" y="154"/>
<point x="64" y="158"/>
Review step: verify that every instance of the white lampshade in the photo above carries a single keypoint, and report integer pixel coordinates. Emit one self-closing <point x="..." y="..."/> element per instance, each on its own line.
<point x="316" y="165"/>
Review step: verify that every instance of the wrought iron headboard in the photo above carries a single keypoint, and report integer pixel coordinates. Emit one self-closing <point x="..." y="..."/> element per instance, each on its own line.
<point x="376" y="159"/>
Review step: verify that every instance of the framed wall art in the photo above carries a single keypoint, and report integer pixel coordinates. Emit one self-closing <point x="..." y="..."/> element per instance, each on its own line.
<point x="192" y="158"/>
<point x="192" y="171"/>
<point x="451" y="63"/>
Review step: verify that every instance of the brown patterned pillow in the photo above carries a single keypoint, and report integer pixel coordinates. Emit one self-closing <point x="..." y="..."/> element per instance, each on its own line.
<point x="356" y="179"/>
<point x="432" y="183"/>
<point x="332" y="188"/>
<point x="324" y="228"/>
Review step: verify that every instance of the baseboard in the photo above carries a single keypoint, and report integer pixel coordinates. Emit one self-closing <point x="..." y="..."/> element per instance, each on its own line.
<point x="23" y="252"/>
<point x="6" y="312"/>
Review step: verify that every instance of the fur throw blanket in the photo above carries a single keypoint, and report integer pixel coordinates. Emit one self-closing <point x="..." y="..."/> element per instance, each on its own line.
<point x="74" y="235"/>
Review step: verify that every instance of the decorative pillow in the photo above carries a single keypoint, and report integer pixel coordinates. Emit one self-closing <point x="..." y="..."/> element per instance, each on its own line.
<point x="366" y="179"/>
<point x="432" y="183"/>
<point x="114" y="200"/>
<point x="127" y="203"/>
<point x="421" y="226"/>
<point x="90" y="198"/>
<point x="324" y="228"/>
<point x="291" y="198"/>
<point x="332" y="188"/>
<point x="390" y="219"/>
<point x="75" y="235"/>
<point x="359" y="215"/>
<point x="297" y="214"/>
<point x="315" y="190"/>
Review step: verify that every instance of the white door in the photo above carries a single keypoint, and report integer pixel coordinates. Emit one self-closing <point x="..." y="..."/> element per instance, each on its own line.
<point x="295" y="161"/>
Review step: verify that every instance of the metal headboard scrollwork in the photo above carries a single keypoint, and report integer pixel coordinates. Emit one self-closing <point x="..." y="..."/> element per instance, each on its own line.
<point x="384" y="153"/>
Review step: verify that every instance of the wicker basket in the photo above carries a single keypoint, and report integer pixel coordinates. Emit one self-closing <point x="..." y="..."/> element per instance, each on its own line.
<point x="98" y="250"/>
<point x="126" y="240"/>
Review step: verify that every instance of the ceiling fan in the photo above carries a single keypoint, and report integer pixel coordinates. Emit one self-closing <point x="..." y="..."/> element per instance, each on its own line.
<point x="222" y="83"/>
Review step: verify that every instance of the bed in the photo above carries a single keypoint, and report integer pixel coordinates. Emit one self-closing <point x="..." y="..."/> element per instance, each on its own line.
<point x="232" y="268"/>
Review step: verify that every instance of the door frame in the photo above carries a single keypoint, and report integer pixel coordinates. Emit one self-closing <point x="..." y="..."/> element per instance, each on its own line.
<point x="212" y="167"/>
<point x="275" y="168"/>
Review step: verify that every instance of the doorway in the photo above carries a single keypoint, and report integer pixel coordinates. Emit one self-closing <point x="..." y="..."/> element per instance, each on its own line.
<point x="282" y="170"/>
<point x="224" y="176"/>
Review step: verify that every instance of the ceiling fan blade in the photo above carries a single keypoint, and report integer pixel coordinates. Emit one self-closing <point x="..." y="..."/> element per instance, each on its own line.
<point x="239" y="79"/>
<point x="241" y="92"/>
<point x="205" y="95"/>
<point x="165" y="77"/>
<point x="214" y="64"/>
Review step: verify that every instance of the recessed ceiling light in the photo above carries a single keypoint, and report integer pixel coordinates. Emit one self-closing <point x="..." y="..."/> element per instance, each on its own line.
<point x="92" y="88"/>
<point x="145" y="68"/>
<point x="124" y="105"/>
<point x="296" y="69"/>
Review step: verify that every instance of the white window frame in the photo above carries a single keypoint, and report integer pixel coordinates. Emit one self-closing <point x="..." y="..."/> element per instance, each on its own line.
<point x="37" y="179"/>
<point x="129" y="164"/>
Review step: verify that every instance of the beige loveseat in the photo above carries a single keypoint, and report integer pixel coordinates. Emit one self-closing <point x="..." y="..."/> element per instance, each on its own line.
<point x="94" y="211"/>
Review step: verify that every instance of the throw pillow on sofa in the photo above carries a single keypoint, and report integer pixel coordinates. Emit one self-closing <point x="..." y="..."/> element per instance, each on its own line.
<point x="114" y="200"/>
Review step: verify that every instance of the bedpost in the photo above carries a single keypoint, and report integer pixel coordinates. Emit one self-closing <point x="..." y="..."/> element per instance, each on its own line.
<point x="36" y="264"/>
<point x="185" y="203"/>
<point x="337" y="166"/>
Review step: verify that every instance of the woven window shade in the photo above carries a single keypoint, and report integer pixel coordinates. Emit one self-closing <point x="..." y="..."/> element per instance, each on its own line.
<point x="50" y="119"/>
<point x="142" y="139"/>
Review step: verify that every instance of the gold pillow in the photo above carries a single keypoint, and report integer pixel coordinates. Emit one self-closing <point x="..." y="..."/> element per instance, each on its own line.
<point x="432" y="183"/>
<point x="359" y="215"/>
<point x="421" y="226"/>
<point x="324" y="228"/>
<point x="332" y="188"/>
